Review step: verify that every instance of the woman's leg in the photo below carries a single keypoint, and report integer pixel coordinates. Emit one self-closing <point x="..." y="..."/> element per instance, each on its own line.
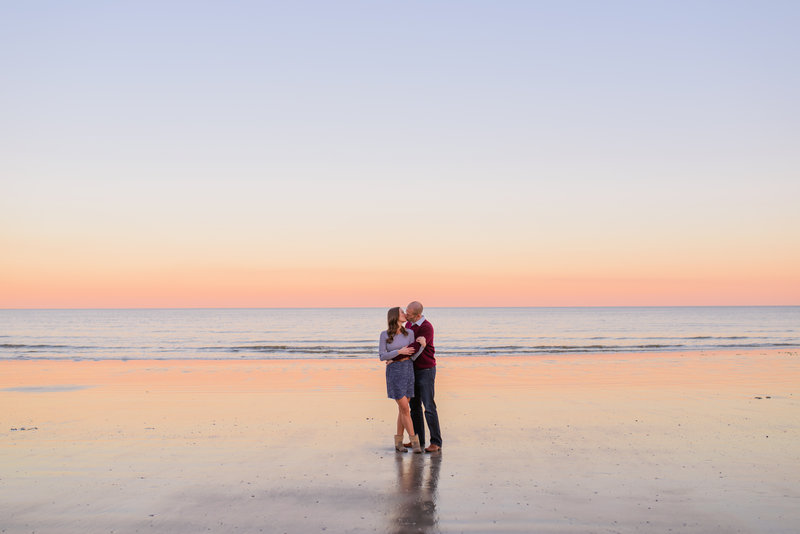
<point x="404" y="417"/>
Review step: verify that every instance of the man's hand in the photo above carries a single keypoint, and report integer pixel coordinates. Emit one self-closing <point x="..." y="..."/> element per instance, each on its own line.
<point x="421" y="340"/>
<point x="405" y="351"/>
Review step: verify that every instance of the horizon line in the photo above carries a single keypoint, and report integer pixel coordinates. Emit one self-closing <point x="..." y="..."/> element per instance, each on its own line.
<point x="381" y="307"/>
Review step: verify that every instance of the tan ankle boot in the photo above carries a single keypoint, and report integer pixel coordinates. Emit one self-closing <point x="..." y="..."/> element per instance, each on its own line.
<point x="415" y="446"/>
<point x="398" y="444"/>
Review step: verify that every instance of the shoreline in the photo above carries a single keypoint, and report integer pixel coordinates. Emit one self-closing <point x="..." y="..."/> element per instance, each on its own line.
<point x="442" y="352"/>
<point x="618" y="442"/>
<point x="21" y="372"/>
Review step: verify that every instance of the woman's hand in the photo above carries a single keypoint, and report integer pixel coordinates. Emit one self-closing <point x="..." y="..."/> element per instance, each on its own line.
<point x="405" y="351"/>
<point x="422" y="341"/>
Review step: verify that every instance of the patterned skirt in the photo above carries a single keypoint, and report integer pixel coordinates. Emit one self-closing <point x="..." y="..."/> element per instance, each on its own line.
<point x="400" y="379"/>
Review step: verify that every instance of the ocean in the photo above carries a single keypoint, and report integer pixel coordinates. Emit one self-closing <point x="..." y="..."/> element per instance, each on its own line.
<point x="318" y="333"/>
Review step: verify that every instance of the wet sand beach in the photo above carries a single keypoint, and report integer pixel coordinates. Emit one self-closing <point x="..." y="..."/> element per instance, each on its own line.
<point x="669" y="442"/>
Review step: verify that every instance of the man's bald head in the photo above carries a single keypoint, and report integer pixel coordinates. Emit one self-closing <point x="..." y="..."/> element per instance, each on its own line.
<point x="414" y="311"/>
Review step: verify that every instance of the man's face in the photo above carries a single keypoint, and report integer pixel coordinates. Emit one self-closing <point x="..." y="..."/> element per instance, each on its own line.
<point x="412" y="314"/>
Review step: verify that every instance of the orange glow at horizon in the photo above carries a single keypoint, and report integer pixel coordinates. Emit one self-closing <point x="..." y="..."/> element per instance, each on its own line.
<point x="102" y="269"/>
<point x="341" y="287"/>
<point x="250" y="270"/>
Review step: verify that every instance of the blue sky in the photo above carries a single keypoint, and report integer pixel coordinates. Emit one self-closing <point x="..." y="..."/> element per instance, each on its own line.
<point x="536" y="133"/>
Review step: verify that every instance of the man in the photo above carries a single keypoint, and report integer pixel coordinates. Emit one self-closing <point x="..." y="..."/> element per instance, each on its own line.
<point x="424" y="379"/>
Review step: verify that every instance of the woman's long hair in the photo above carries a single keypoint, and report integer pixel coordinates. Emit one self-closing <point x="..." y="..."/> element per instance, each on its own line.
<point x="393" y="318"/>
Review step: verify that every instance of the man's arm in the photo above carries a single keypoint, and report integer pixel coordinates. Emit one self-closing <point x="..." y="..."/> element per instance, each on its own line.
<point x="425" y="330"/>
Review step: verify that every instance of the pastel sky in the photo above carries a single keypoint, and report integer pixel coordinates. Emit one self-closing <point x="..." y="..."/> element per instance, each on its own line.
<point x="464" y="153"/>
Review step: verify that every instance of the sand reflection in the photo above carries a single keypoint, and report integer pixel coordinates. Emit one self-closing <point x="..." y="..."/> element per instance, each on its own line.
<point x="414" y="505"/>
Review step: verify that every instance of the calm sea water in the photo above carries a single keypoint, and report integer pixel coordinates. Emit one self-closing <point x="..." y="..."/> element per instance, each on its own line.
<point x="353" y="332"/>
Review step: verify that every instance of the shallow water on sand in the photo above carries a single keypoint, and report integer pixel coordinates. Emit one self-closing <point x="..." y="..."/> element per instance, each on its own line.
<point x="683" y="442"/>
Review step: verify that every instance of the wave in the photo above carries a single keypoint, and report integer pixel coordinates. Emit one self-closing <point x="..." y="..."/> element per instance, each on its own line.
<point x="291" y="348"/>
<point x="324" y="351"/>
<point x="725" y="337"/>
<point x="21" y="346"/>
<point x="677" y="338"/>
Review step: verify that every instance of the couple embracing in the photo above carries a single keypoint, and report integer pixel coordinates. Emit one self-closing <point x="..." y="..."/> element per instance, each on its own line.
<point x="407" y="348"/>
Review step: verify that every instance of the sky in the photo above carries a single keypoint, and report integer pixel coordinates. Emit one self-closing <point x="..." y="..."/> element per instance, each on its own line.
<point x="494" y="153"/>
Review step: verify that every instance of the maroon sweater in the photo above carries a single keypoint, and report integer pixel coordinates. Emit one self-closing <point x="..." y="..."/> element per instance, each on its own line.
<point x="426" y="359"/>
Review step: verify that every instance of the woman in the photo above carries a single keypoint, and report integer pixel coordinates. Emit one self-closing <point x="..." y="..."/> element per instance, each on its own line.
<point x="394" y="348"/>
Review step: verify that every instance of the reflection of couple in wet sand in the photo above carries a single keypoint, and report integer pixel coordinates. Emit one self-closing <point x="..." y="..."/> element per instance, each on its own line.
<point x="407" y="348"/>
<point x="414" y="503"/>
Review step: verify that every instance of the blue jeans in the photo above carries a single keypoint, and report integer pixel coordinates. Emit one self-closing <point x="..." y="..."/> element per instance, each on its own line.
<point x="424" y="380"/>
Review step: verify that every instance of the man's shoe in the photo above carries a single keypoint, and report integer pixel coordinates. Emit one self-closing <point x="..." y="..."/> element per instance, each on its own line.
<point x="433" y="448"/>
